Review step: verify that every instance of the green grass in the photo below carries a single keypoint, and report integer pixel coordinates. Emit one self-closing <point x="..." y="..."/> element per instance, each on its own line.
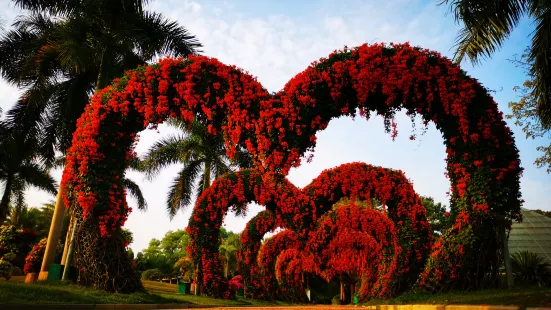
<point x="17" y="292"/>
<point x="528" y="297"/>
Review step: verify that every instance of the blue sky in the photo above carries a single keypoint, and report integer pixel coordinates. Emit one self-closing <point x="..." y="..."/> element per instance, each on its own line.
<point x="275" y="39"/>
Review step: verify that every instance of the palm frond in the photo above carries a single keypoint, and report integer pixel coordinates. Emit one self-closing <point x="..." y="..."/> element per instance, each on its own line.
<point x="168" y="151"/>
<point x="486" y="25"/>
<point x="54" y="7"/>
<point x="529" y="268"/>
<point x="219" y="167"/>
<point x="540" y="58"/>
<point x="35" y="175"/>
<point x="59" y="162"/>
<point x="135" y="191"/>
<point x="156" y="35"/>
<point x="179" y="194"/>
<point x="18" y="188"/>
<point x="200" y="186"/>
<point x="243" y="158"/>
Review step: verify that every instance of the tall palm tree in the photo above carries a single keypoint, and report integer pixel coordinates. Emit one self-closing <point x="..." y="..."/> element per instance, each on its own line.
<point x="21" y="167"/>
<point x="203" y="156"/>
<point x="65" y="50"/>
<point x="487" y="23"/>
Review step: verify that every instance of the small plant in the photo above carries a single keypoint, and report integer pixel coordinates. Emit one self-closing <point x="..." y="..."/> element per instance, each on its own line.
<point x="531" y="268"/>
<point x="336" y="300"/>
<point x="6" y="267"/>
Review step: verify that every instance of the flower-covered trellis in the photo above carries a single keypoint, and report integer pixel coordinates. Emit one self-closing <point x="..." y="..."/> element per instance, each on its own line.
<point x="307" y="215"/>
<point x="278" y="129"/>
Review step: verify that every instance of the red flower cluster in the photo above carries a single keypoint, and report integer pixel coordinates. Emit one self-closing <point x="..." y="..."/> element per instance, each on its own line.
<point x="482" y="161"/>
<point x="359" y="242"/>
<point x="251" y="239"/>
<point x="267" y="256"/>
<point x="300" y="212"/>
<point x="33" y="261"/>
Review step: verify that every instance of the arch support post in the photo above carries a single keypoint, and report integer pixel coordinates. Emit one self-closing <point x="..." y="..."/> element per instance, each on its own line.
<point x="53" y="235"/>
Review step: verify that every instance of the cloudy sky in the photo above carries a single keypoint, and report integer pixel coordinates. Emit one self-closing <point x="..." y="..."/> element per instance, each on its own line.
<point x="276" y="39"/>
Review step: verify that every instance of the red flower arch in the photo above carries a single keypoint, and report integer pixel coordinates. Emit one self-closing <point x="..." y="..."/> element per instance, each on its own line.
<point x="251" y="239"/>
<point x="299" y="211"/>
<point x="267" y="258"/>
<point x="482" y="160"/>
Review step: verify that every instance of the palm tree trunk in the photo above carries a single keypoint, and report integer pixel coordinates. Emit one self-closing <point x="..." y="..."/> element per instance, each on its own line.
<point x="226" y="269"/>
<point x="5" y="203"/>
<point x="206" y="175"/>
<point x="102" y="80"/>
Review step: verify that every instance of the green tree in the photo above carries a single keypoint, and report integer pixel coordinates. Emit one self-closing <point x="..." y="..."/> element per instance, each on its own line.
<point x="487" y="24"/>
<point x="20" y="167"/>
<point x="525" y="113"/>
<point x="153" y="249"/>
<point x="203" y="157"/>
<point x="142" y="263"/>
<point x="174" y="244"/>
<point x="439" y="219"/>
<point x="165" y="253"/>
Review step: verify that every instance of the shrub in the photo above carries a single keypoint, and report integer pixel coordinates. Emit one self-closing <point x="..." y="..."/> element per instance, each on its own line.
<point x="16" y="241"/>
<point x="322" y="300"/>
<point x="531" y="268"/>
<point x="6" y="267"/>
<point x="151" y="273"/>
<point x="33" y="261"/>
<point x="336" y="300"/>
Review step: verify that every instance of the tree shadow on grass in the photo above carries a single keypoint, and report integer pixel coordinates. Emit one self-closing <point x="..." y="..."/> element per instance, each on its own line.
<point x="56" y="293"/>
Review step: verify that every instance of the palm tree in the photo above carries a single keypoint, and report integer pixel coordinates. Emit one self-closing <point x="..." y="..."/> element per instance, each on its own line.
<point x="21" y="167"/>
<point x="63" y="51"/>
<point x="229" y="252"/>
<point x="488" y="23"/>
<point x="203" y="156"/>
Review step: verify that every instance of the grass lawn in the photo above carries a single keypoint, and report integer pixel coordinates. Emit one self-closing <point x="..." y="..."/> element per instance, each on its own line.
<point x="16" y="291"/>
<point x="529" y="297"/>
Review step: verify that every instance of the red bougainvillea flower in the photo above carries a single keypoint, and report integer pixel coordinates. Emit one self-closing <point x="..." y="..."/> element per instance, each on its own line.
<point x="483" y="164"/>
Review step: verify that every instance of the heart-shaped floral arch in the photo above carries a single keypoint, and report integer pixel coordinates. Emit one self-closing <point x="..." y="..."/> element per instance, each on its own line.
<point x="278" y="129"/>
<point x="299" y="211"/>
